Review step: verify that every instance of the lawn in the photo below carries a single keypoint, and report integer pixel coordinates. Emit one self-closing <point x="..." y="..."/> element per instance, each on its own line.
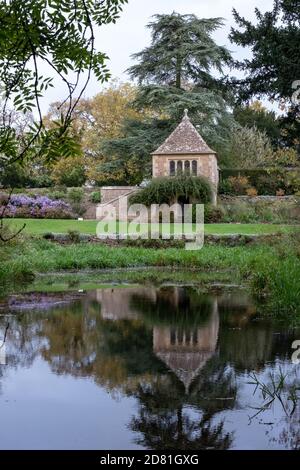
<point x="41" y="226"/>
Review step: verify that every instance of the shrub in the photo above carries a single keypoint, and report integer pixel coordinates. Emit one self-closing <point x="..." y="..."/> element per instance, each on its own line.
<point x="240" y="212"/>
<point x="78" y="209"/>
<point x="262" y="211"/>
<point x="292" y="182"/>
<point x="21" y="205"/>
<point x="269" y="184"/>
<point x="95" y="197"/>
<point x="266" y="180"/>
<point x="69" y="171"/>
<point x="75" y="195"/>
<point x="58" y="194"/>
<point x="74" y="236"/>
<point x="252" y="192"/>
<point x="239" y="184"/>
<point x="266" y="213"/>
<point x="285" y="157"/>
<point x="166" y="190"/>
<point x="48" y="236"/>
<point x="249" y="148"/>
<point x="3" y="199"/>
<point x="225" y="187"/>
<point x="212" y="214"/>
<point x="14" y="176"/>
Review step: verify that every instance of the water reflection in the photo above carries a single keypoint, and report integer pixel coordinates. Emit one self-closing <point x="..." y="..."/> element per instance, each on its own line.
<point x="182" y="356"/>
<point x="186" y="350"/>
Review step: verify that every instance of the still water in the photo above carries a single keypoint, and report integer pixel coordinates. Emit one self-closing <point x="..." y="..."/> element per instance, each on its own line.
<point x="142" y="367"/>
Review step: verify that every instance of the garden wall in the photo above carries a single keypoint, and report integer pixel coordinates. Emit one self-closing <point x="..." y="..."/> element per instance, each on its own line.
<point x="117" y="197"/>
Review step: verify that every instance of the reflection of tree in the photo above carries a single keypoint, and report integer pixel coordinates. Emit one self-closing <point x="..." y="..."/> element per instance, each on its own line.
<point x="173" y="332"/>
<point x="249" y="348"/>
<point x="169" y="419"/>
<point x="174" y="305"/>
<point x="88" y="345"/>
<point x="23" y="340"/>
<point x="179" y="431"/>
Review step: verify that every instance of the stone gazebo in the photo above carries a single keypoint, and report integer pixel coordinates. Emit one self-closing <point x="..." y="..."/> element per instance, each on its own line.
<point x="185" y="151"/>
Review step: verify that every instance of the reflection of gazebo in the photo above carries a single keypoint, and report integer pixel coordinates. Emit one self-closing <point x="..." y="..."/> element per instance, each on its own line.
<point x="186" y="351"/>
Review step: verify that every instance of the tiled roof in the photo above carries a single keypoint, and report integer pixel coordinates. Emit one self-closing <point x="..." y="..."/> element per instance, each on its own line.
<point x="184" y="139"/>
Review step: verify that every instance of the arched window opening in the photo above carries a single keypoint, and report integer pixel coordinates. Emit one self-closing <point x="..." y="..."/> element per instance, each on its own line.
<point x="179" y="166"/>
<point x="172" y="168"/>
<point x="187" y="168"/>
<point x="194" y="167"/>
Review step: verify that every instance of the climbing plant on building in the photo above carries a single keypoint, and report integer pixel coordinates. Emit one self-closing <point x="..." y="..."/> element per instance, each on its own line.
<point x="167" y="190"/>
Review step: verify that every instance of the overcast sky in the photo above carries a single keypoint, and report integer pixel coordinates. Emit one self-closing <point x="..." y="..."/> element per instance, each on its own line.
<point x="130" y="35"/>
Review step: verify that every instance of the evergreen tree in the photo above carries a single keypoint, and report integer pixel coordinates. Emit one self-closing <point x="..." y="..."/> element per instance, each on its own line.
<point x="274" y="69"/>
<point x="176" y="72"/>
<point x="182" y="50"/>
<point x="274" y="42"/>
<point x="256" y="115"/>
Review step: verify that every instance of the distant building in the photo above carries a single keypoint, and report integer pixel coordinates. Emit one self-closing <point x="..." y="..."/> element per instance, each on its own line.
<point x="185" y="151"/>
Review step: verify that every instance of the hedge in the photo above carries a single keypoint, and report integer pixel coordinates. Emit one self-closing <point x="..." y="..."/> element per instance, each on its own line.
<point x="266" y="181"/>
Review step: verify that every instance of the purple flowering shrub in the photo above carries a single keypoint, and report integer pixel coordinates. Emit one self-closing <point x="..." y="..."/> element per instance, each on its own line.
<point x="40" y="207"/>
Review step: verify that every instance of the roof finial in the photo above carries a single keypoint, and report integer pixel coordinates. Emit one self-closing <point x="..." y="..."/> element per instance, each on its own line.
<point x="186" y="111"/>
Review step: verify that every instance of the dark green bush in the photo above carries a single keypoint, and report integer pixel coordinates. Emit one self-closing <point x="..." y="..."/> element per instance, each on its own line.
<point x="74" y="236"/>
<point x="58" y="194"/>
<point x="48" y="236"/>
<point x="95" y="197"/>
<point x="225" y="187"/>
<point x="167" y="190"/>
<point x="213" y="214"/>
<point x="75" y="195"/>
<point x="269" y="184"/>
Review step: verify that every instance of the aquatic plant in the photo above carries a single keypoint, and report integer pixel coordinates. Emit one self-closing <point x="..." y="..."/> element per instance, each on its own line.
<point x="277" y="388"/>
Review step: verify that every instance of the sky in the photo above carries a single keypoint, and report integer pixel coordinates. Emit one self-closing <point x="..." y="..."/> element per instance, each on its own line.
<point x="129" y="35"/>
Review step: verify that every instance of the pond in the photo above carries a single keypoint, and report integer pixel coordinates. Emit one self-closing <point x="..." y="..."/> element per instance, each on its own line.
<point x="145" y="367"/>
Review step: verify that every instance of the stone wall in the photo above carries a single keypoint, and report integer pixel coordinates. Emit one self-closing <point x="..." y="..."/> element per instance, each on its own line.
<point x="109" y="193"/>
<point x="224" y="199"/>
<point x="117" y="197"/>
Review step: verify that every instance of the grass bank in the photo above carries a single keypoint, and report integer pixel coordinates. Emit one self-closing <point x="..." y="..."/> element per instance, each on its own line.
<point x="272" y="272"/>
